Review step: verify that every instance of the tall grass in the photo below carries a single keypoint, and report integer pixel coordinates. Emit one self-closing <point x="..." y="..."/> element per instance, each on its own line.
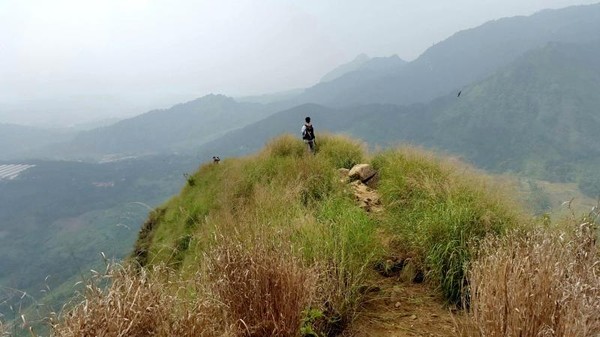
<point x="438" y="209"/>
<point x="3" y="330"/>
<point x="265" y="289"/>
<point x="139" y="302"/>
<point x="545" y="283"/>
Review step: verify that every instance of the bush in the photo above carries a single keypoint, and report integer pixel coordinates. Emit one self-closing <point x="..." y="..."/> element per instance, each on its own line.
<point x="542" y="284"/>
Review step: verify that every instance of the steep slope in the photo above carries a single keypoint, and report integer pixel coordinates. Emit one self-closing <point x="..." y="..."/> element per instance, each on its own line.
<point x="178" y="129"/>
<point x="466" y="57"/>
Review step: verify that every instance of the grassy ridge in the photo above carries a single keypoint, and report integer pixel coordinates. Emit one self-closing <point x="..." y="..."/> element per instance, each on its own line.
<point x="282" y="201"/>
<point x="247" y="237"/>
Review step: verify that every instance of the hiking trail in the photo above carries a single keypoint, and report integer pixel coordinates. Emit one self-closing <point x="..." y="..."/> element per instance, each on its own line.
<point x="398" y="304"/>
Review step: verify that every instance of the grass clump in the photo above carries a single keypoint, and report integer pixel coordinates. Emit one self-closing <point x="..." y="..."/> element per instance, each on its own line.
<point x="3" y="330"/>
<point x="265" y="289"/>
<point x="544" y="283"/>
<point x="342" y="152"/>
<point x="142" y="302"/>
<point x="437" y="210"/>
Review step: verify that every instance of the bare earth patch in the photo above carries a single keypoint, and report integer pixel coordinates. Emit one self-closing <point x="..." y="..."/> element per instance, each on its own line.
<point x="404" y="309"/>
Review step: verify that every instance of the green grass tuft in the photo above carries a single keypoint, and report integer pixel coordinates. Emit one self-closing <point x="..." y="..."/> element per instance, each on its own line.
<point x="439" y="210"/>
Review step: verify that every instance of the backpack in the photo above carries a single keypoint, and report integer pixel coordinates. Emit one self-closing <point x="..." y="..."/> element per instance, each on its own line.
<point x="309" y="133"/>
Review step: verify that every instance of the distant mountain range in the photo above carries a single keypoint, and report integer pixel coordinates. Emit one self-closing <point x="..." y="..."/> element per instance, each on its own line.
<point x="537" y="116"/>
<point x="526" y="80"/>
<point x="466" y="57"/>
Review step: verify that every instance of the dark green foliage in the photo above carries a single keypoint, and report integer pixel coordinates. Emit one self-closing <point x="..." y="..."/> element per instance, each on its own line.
<point x="538" y="199"/>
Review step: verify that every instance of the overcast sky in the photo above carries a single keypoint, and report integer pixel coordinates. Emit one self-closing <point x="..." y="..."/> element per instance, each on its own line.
<point x="117" y="57"/>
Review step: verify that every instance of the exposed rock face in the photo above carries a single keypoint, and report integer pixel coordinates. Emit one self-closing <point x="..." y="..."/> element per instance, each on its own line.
<point x="365" y="173"/>
<point x="367" y="198"/>
<point x="362" y="178"/>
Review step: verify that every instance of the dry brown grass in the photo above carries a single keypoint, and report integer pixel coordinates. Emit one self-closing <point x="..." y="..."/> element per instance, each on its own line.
<point x="3" y="330"/>
<point x="544" y="283"/>
<point x="248" y="290"/>
<point x="142" y="303"/>
<point x="265" y="289"/>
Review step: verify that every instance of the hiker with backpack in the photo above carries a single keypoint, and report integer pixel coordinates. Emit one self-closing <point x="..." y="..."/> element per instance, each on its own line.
<point x="308" y="134"/>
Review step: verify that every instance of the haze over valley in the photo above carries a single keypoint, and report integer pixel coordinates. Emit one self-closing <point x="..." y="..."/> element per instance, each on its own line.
<point x="107" y="109"/>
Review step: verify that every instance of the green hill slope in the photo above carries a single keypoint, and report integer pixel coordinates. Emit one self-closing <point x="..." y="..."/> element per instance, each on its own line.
<point x="540" y="111"/>
<point x="287" y="214"/>
<point x="179" y="129"/>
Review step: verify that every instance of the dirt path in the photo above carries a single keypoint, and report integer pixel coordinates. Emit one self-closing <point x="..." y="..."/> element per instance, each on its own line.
<point x="399" y="308"/>
<point x="404" y="309"/>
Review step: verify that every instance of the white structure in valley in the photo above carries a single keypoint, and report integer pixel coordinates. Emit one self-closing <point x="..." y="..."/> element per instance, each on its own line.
<point x="8" y="172"/>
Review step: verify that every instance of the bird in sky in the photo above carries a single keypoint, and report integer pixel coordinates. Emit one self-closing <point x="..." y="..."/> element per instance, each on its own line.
<point x="459" y="93"/>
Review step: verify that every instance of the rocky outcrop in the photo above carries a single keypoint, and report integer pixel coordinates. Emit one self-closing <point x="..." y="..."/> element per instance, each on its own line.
<point x="365" y="173"/>
<point x="362" y="178"/>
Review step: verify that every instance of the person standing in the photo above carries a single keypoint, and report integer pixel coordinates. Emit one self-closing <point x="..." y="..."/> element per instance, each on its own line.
<point x="308" y="134"/>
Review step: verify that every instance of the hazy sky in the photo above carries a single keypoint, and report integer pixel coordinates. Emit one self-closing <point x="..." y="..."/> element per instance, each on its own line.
<point x="94" y="58"/>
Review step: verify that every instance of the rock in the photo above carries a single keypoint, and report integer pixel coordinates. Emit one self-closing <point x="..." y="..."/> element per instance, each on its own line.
<point x="411" y="273"/>
<point x="362" y="172"/>
<point x="397" y="305"/>
<point x="390" y="267"/>
<point x="367" y="198"/>
<point x="413" y="317"/>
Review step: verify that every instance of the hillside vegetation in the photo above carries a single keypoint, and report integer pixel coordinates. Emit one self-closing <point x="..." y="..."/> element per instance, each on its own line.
<point x="274" y="244"/>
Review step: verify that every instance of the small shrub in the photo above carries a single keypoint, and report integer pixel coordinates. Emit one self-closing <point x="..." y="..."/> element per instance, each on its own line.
<point x="141" y="248"/>
<point x="191" y="181"/>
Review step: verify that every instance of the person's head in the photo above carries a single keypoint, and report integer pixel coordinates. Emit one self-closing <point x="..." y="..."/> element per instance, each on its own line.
<point x="307" y="119"/>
